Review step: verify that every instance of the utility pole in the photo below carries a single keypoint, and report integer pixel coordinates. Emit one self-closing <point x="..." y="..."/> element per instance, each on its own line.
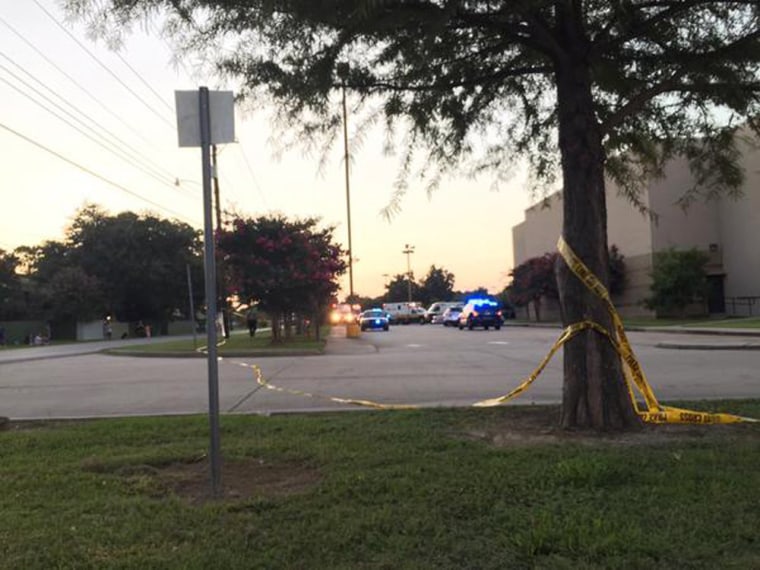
<point x="221" y="301"/>
<point x="408" y="250"/>
<point x="343" y="73"/>
<point x="215" y="173"/>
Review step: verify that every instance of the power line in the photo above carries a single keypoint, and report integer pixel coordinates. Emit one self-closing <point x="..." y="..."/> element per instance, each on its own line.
<point x="74" y="81"/>
<point x="135" y="158"/>
<point x="93" y="173"/>
<point x="103" y="65"/>
<point x="142" y="80"/>
<point x="253" y="176"/>
<point x="139" y="156"/>
<point x="103" y="143"/>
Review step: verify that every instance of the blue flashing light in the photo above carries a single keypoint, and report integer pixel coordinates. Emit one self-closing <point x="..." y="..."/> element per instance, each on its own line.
<point x="482" y="301"/>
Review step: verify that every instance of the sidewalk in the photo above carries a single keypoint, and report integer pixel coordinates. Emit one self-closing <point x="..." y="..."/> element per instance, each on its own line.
<point x="731" y="338"/>
<point x="339" y="343"/>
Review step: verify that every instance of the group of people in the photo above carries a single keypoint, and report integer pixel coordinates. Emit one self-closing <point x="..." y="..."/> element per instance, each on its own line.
<point x="38" y="338"/>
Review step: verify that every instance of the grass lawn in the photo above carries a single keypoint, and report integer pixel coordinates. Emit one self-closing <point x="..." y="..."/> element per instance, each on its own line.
<point x="494" y="488"/>
<point x="742" y="323"/>
<point x="239" y="342"/>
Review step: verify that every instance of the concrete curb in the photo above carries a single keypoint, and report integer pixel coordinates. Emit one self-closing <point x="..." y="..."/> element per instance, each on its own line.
<point x="745" y="333"/>
<point x="232" y="354"/>
<point x="671" y="329"/>
<point x="702" y="346"/>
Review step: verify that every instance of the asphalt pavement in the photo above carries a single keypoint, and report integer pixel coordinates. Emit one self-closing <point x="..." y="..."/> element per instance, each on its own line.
<point x="689" y="338"/>
<point x="418" y="365"/>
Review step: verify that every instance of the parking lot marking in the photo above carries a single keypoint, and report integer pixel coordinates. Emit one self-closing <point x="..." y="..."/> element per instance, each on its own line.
<point x="498" y="342"/>
<point x="414" y="345"/>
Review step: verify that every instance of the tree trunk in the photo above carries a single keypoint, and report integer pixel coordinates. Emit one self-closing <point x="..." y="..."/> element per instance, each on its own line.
<point x="594" y="393"/>
<point x="276" y="335"/>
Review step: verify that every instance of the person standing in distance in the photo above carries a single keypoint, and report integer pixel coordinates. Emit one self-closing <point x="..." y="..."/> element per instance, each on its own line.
<point x="252" y="320"/>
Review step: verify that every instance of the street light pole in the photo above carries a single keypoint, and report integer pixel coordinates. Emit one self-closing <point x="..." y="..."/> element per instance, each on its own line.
<point x="408" y="250"/>
<point x="343" y="73"/>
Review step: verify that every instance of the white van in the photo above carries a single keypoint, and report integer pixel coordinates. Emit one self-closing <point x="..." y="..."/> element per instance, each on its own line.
<point x="434" y="314"/>
<point x="404" y="312"/>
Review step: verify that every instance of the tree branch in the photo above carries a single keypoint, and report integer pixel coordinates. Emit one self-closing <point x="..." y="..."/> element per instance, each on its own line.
<point x="512" y="72"/>
<point x="670" y="85"/>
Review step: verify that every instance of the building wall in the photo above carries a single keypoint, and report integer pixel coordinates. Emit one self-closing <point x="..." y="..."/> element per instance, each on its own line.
<point x="627" y="228"/>
<point x="540" y="231"/>
<point x="726" y="228"/>
<point x="740" y="226"/>
<point x="697" y="226"/>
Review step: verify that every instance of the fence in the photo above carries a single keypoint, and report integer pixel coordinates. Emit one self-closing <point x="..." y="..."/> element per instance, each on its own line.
<point x="742" y="306"/>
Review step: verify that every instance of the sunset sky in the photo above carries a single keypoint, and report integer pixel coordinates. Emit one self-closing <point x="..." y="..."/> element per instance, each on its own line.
<point x="80" y="123"/>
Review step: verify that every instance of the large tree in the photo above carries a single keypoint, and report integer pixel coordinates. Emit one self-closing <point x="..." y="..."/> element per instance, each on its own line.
<point x="133" y="266"/>
<point x="285" y="266"/>
<point x="402" y="288"/>
<point x="437" y="285"/>
<point x="576" y="85"/>
<point x="139" y="260"/>
<point x="11" y="291"/>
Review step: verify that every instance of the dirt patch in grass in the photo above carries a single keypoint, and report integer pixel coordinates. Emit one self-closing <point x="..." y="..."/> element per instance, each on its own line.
<point x="240" y="479"/>
<point x="526" y="426"/>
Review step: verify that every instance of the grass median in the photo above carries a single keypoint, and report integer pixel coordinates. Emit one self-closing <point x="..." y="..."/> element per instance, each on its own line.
<point x="494" y="488"/>
<point x="239" y="343"/>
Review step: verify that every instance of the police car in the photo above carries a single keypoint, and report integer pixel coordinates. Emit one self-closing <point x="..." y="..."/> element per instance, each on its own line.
<point x="374" y="319"/>
<point x="480" y="313"/>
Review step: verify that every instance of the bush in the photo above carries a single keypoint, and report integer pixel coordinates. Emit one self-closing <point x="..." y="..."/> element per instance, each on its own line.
<point x="679" y="279"/>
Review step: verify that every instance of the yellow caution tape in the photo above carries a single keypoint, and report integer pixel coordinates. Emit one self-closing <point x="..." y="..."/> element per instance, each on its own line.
<point x="366" y="403"/>
<point x="258" y="375"/>
<point x="634" y="375"/>
<point x="655" y="413"/>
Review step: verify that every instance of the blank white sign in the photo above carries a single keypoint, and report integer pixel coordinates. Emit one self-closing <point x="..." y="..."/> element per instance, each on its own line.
<point x="221" y="110"/>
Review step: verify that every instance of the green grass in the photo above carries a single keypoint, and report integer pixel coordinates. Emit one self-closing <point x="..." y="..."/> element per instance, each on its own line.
<point x="655" y="322"/>
<point x="416" y="489"/>
<point x="736" y="323"/>
<point x="239" y="342"/>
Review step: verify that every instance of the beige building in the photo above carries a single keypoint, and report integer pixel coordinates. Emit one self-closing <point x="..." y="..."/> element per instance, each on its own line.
<point x="726" y="228"/>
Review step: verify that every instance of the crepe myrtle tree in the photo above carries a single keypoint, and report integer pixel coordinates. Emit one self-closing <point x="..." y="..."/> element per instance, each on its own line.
<point x="579" y="87"/>
<point x="286" y="266"/>
<point x="532" y="281"/>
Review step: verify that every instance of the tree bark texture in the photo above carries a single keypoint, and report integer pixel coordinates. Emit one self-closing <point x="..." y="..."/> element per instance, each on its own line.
<point x="594" y="394"/>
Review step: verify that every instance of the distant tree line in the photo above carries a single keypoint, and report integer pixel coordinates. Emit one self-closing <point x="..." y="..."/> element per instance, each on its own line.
<point x="436" y="285"/>
<point x="133" y="267"/>
<point x="128" y="266"/>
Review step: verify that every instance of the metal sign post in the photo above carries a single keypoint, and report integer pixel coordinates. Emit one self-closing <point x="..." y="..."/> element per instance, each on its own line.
<point x="209" y="266"/>
<point x="195" y="111"/>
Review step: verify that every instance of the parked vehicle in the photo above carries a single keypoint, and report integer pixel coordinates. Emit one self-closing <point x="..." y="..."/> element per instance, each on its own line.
<point x="344" y="313"/>
<point x="450" y="317"/>
<point x="404" y="312"/>
<point x="480" y="313"/>
<point x="434" y="313"/>
<point x="374" y="319"/>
